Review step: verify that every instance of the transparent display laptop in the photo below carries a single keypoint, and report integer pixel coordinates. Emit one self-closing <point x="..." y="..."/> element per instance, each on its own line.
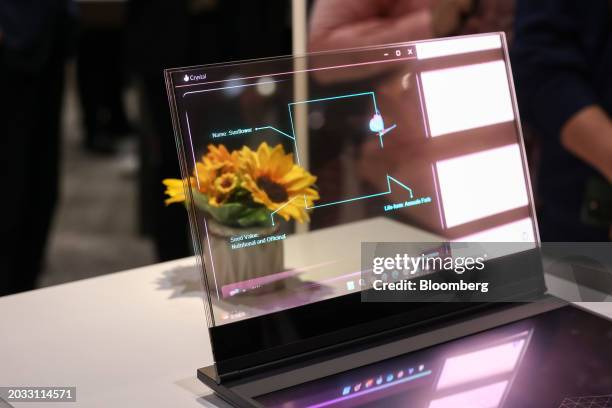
<point x="292" y="166"/>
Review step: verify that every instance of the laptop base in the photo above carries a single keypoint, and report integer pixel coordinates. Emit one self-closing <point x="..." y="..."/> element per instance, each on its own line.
<point x="242" y="392"/>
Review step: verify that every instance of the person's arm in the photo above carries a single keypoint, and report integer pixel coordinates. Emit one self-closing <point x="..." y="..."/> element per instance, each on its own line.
<point x="588" y="135"/>
<point x="338" y="24"/>
<point x="554" y="77"/>
<point x="341" y="24"/>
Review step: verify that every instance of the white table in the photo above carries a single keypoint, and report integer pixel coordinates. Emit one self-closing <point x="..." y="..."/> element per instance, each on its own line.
<point x="134" y="338"/>
<point x="130" y="339"/>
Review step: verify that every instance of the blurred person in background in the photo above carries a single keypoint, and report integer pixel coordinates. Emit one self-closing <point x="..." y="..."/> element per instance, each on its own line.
<point x="562" y="58"/>
<point x="36" y="37"/>
<point x="100" y="54"/>
<point x="164" y="23"/>
<point x="165" y="34"/>
<point x="338" y="24"/>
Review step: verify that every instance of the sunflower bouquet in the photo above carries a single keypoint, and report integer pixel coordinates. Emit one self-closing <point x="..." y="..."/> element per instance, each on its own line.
<point x="245" y="188"/>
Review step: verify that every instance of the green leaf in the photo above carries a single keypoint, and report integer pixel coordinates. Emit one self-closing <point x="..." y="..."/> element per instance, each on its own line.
<point x="234" y="214"/>
<point x="259" y="217"/>
<point x="200" y="200"/>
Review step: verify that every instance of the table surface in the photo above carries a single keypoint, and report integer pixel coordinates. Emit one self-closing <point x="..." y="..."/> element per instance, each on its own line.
<point x="129" y="339"/>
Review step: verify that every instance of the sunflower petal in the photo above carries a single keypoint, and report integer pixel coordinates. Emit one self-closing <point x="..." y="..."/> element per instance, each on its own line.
<point x="279" y="169"/>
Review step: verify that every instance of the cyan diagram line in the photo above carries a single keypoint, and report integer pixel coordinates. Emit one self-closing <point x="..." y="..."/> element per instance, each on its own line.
<point x="276" y="130"/>
<point x="389" y="180"/>
<point x="340" y="97"/>
<point x="381" y="133"/>
<point x="283" y="206"/>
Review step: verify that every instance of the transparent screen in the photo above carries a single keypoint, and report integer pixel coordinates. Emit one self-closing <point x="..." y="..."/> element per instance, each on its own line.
<point x="291" y="163"/>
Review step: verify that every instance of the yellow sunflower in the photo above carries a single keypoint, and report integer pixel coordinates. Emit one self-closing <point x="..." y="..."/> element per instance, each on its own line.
<point x="226" y="183"/>
<point x="220" y="159"/>
<point x="175" y="189"/>
<point x="205" y="178"/>
<point x="216" y="174"/>
<point x="278" y="183"/>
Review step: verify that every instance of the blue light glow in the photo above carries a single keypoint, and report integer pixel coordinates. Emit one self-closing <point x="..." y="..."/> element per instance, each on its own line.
<point x="377" y="124"/>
